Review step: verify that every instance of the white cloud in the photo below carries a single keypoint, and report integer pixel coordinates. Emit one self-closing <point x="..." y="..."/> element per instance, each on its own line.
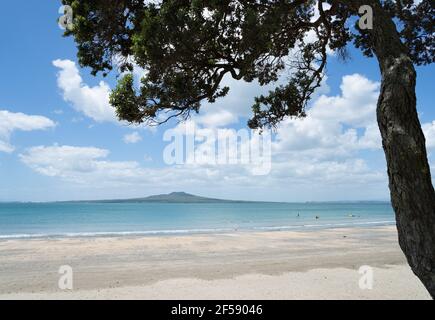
<point x="62" y="160"/>
<point x="89" y="165"/>
<point x="322" y="148"/>
<point x="322" y="156"/>
<point x="132" y="138"/>
<point x="6" y="147"/>
<point x="10" y="122"/>
<point x="91" y="101"/>
<point x="82" y="165"/>
<point x="429" y="132"/>
<point x="332" y="123"/>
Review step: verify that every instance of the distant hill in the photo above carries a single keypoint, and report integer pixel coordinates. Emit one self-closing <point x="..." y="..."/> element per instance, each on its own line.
<point x="174" y="197"/>
<point x="183" y="197"/>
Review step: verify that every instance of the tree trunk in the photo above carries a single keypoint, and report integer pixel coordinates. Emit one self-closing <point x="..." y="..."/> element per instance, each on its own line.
<point x="412" y="192"/>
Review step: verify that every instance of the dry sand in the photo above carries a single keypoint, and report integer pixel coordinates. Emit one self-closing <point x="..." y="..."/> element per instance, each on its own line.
<point x="318" y="264"/>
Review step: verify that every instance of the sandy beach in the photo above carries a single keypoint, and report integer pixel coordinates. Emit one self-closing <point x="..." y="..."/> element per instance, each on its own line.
<point x="315" y="264"/>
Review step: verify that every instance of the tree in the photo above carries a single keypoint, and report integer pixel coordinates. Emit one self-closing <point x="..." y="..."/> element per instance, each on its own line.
<point x="188" y="47"/>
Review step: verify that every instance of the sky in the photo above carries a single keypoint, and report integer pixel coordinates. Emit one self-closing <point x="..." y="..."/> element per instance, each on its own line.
<point x="60" y="139"/>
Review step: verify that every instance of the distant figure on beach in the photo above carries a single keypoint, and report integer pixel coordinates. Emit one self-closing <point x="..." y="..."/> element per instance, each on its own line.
<point x="317" y="217"/>
<point x="298" y="215"/>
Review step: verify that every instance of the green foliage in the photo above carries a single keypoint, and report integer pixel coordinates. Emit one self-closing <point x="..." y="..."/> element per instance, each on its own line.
<point x="188" y="47"/>
<point x="124" y="99"/>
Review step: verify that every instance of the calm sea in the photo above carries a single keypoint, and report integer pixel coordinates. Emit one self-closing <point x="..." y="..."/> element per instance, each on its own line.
<point x="32" y="220"/>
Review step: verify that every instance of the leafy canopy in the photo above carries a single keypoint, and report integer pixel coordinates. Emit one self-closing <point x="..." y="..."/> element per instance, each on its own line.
<point x="188" y="47"/>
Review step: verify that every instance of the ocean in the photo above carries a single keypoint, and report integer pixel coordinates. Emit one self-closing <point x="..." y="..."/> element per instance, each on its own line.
<point x="40" y="220"/>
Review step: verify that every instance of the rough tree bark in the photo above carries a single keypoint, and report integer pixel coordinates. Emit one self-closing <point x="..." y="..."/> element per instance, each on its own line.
<point x="412" y="192"/>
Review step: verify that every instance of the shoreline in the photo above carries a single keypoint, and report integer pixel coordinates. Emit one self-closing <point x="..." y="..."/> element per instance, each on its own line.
<point x="241" y="265"/>
<point x="188" y="232"/>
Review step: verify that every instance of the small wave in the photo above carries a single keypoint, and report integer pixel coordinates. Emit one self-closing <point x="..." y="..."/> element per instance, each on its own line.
<point x="23" y="236"/>
<point x="324" y="225"/>
<point x="186" y="231"/>
<point x="112" y="233"/>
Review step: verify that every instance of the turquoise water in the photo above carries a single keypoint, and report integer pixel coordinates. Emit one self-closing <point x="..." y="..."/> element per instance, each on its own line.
<point x="27" y="220"/>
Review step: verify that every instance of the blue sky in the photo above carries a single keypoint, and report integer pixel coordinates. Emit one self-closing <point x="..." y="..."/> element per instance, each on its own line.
<point x="59" y="140"/>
